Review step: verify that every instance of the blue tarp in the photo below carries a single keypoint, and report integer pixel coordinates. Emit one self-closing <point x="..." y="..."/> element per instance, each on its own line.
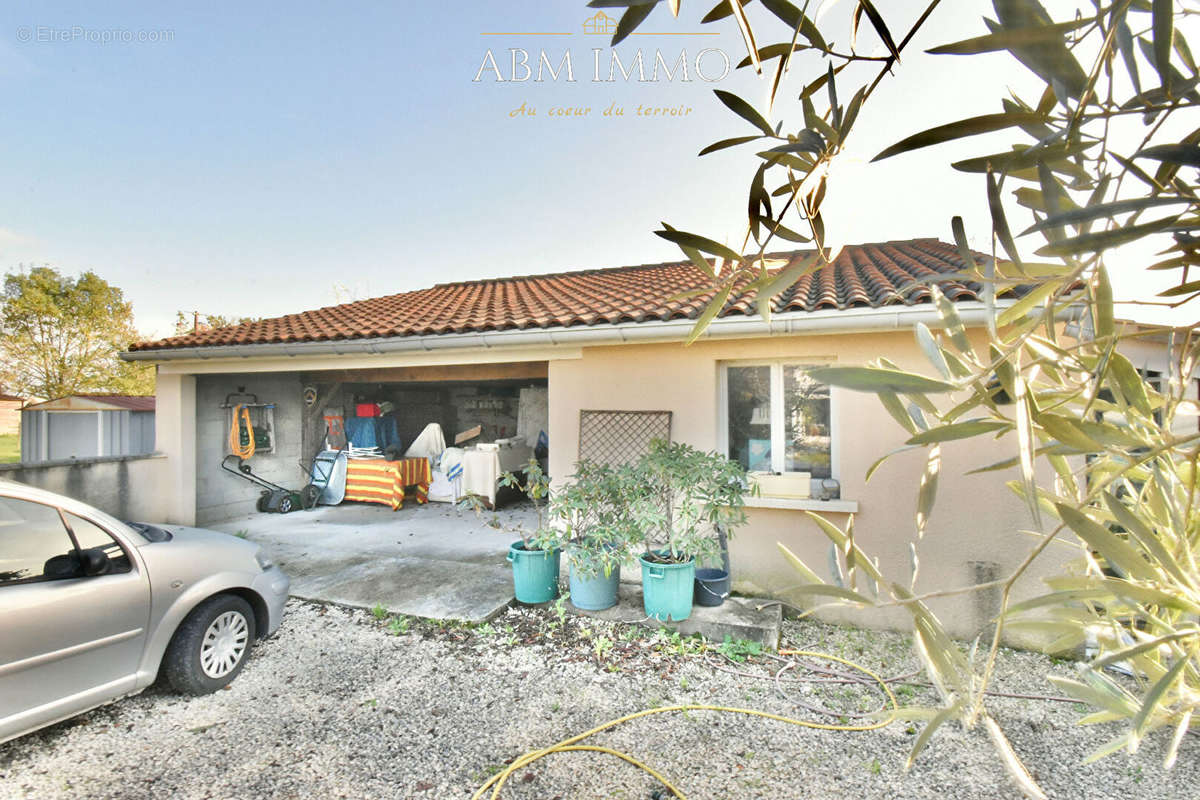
<point x="378" y="432"/>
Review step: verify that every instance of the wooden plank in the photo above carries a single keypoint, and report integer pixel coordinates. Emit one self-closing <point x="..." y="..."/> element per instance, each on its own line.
<point x="467" y="435"/>
<point x="521" y="370"/>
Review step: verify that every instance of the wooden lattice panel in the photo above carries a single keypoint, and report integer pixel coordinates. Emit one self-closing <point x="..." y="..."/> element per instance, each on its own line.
<point x="619" y="437"/>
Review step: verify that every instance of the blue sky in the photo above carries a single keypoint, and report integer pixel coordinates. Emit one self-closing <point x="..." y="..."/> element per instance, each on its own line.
<point x="262" y="158"/>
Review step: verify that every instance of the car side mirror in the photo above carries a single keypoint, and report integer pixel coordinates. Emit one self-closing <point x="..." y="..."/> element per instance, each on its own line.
<point x="93" y="562"/>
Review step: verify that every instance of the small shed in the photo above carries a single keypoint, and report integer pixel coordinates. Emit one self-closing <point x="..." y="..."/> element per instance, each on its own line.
<point x="87" y="426"/>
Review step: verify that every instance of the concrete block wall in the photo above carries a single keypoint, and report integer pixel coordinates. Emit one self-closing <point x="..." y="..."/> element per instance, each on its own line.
<point x="128" y="487"/>
<point x="219" y="495"/>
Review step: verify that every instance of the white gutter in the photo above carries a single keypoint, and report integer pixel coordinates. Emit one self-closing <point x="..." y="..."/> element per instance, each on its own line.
<point x="830" y="321"/>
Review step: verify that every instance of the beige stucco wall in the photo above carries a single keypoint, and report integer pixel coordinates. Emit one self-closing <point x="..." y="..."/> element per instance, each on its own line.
<point x="976" y="518"/>
<point x="175" y="438"/>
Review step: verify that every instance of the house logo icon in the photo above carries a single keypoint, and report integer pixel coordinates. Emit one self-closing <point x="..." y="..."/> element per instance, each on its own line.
<point x="601" y="24"/>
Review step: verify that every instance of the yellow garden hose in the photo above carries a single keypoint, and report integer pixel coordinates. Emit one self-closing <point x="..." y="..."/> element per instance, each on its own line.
<point x="497" y="781"/>
<point x="240" y="414"/>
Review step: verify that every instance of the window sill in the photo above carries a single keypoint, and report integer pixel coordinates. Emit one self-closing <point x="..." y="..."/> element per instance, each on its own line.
<point x="810" y="504"/>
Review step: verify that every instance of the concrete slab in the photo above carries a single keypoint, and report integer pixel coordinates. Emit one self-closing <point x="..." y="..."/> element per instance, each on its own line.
<point x="747" y="618"/>
<point x="437" y="562"/>
<point x="430" y="561"/>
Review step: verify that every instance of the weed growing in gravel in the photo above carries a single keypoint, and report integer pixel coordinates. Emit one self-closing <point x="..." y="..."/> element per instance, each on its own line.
<point x="739" y="649"/>
<point x="632" y="633"/>
<point x="560" y="611"/>
<point x="399" y="625"/>
<point x="379" y="612"/>
<point x="242" y="534"/>
<point x="601" y="647"/>
<point x="672" y="643"/>
<point x="485" y="631"/>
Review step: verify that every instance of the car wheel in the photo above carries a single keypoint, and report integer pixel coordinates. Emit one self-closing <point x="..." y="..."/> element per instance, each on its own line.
<point x="211" y="645"/>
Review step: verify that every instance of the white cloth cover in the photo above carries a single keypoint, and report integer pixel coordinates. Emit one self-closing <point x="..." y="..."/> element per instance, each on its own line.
<point x="482" y="468"/>
<point x="429" y="444"/>
<point x="447" y="485"/>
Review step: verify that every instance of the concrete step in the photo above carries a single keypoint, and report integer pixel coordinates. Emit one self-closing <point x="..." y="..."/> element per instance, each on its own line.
<point x="752" y="619"/>
<point x="416" y="587"/>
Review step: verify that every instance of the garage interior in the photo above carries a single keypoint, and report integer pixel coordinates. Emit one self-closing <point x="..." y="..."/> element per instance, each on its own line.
<point x="485" y="403"/>
<point x="500" y="399"/>
<point x="432" y="560"/>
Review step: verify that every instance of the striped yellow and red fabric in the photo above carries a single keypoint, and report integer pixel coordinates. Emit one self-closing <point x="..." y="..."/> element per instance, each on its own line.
<point x="377" y="481"/>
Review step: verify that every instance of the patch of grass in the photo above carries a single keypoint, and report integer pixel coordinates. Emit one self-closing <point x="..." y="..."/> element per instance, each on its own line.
<point x="10" y="448"/>
<point x="399" y="625"/>
<point x="379" y="611"/>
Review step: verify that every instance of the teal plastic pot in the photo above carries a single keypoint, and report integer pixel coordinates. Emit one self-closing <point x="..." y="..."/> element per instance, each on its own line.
<point x="667" y="590"/>
<point x="595" y="592"/>
<point x="535" y="573"/>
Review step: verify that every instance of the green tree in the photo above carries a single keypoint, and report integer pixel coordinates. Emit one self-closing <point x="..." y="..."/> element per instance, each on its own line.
<point x="62" y="336"/>
<point x="1101" y="158"/>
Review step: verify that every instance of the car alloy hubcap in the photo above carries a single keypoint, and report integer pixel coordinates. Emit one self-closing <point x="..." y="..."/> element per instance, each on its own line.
<point x="223" y="645"/>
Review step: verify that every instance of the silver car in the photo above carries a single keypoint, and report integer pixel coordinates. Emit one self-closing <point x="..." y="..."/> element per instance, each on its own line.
<point x="92" y="608"/>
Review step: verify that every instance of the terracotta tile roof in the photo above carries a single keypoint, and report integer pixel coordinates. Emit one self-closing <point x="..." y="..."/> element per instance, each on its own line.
<point x="867" y="275"/>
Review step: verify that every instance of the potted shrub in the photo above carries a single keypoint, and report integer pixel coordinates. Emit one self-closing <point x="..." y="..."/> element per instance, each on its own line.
<point x="535" y="557"/>
<point x="601" y="512"/>
<point x="702" y="497"/>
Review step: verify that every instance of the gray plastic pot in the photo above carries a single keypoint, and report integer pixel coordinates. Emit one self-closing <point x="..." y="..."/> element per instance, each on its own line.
<point x="712" y="586"/>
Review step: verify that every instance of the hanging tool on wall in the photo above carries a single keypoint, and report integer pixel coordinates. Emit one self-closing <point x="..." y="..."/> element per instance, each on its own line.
<point x="251" y="424"/>
<point x="241" y="440"/>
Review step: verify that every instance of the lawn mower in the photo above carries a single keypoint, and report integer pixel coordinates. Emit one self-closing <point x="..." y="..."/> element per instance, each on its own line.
<point x="274" y="498"/>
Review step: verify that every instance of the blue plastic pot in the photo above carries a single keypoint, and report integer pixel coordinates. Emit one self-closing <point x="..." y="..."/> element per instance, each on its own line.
<point x="595" y="592"/>
<point x="667" y="589"/>
<point x="535" y="573"/>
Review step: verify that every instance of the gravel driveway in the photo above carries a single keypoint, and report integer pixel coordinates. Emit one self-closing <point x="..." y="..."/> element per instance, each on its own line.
<point x="340" y="704"/>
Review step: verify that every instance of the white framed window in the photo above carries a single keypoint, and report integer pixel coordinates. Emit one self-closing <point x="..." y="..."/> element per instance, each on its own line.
<point x="774" y="417"/>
